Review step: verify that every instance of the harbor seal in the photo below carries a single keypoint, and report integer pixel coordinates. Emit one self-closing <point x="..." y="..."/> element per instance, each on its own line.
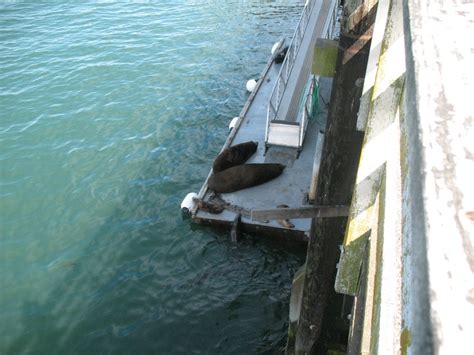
<point x="235" y="155"/>
<point x="242" y="176"/>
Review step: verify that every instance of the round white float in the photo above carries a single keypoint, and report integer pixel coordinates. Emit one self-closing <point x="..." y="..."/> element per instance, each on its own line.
<point x="275" y="46"/>
<point x="251" y="85"/>
<point x="233" y="123"/>
<point x="188" y="202"/>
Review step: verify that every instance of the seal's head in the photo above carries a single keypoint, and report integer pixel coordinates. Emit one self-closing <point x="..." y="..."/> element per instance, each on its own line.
<point x="235" y="155"/>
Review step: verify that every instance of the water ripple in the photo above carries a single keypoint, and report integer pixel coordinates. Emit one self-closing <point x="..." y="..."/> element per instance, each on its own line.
<point x="111" y="113"/>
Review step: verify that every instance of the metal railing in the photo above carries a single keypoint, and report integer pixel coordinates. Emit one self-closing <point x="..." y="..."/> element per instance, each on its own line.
<point x="328" y="31"/>
<point x="306" y="114"/>
<point x="288" y="63"/>
<point x="287" y="66"/>
<point x="331" y="29"/>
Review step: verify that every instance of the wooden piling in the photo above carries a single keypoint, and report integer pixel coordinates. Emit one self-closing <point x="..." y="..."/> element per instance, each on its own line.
<point x="339" y="162"/>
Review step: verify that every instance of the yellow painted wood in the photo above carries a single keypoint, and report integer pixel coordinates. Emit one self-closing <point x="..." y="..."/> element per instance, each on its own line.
<point x="325" y="54"/>
<point x="381" y="132"/>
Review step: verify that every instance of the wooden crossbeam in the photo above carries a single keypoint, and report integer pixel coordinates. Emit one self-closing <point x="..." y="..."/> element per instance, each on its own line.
<point x="300" y="212"/>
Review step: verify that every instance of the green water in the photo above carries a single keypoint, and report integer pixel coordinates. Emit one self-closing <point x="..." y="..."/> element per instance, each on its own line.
<point x="110" y="112"/>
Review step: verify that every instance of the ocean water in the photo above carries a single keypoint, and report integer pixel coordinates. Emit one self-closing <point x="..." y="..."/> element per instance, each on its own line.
<point x="110" y="112"/>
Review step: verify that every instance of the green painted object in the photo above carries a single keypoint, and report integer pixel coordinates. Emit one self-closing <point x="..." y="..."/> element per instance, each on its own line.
<point x="325" y="54"/>
<point x="315" y="102"/>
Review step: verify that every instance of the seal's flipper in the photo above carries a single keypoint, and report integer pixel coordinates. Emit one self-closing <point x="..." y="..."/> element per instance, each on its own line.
<point x="242" y="176"/>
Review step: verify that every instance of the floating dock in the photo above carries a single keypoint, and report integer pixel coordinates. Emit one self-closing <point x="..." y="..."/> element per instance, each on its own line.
<point x="286" y="114"/>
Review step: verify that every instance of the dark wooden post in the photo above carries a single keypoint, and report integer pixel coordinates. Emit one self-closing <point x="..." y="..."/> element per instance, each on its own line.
<point x="338" y="169"/>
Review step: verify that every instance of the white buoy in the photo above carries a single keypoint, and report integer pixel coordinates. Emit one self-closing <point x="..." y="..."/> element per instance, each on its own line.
<point x="233" y="123"/>
<point x="275" y="46"/>
<point x="251" y="85"/>
<point x="188" y="203"/>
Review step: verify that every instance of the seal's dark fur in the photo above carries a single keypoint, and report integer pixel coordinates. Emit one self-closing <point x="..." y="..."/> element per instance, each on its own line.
<point x="235" y="155"/>
<point x="242" y="176"/>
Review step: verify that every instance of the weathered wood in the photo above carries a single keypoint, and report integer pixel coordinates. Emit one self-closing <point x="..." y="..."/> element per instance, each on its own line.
<point x="235" y="232"/>
<point x="295" y="306"/>
<point x="338" y="169"/>
<point x="438" y="206"/>
<point x="325" y="54"/>
<point x="316" y="164"/>
<point x="381" y="138"/>
<point x="300" y="212"/>
<point x="372" y="64"/>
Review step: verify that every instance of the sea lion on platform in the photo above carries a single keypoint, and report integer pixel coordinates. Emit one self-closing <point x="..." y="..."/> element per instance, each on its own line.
<point x="235" y="155"/>
<point x="242" y="176"/>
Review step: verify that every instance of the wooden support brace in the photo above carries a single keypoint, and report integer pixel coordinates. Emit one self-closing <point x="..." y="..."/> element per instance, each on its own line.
<point x="300" y="212"/>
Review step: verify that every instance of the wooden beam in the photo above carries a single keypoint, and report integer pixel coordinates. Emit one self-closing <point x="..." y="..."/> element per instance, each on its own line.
<point x="381" y="134"/>
<point x="300" y="212"/>
<point x="341" y="152"/>
<point x="438" y="240"/>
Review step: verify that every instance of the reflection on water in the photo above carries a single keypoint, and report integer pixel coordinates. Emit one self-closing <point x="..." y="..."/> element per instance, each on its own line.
<point x="111" y="113"/>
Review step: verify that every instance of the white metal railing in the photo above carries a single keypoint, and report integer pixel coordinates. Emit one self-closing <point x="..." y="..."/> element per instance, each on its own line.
<point x="285" y="71"/>
<point x="306" y="112"/>
<point x="287" y="66"/>
<point x="329" y="30"/>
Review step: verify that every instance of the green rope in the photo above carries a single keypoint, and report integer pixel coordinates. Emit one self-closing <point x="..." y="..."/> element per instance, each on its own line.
<point x="315" y="102"/>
